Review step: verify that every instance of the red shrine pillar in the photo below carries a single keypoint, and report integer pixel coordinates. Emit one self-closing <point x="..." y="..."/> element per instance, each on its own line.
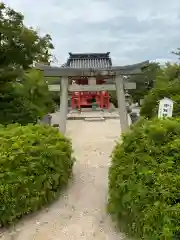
<point x="101" y="100"/>
<point x="108" y="104"/>
<point x="79" y="100"/>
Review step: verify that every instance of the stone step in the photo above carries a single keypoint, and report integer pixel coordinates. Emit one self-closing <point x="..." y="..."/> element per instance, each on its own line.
<point x="91" y="119"/>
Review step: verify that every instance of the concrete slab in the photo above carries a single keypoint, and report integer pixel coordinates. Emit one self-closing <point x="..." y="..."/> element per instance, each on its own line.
<point x="94" y="119"/>
<point x="81" y="116"/>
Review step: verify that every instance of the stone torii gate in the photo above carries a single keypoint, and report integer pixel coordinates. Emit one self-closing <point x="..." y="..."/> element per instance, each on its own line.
<point x="115" y="74"/>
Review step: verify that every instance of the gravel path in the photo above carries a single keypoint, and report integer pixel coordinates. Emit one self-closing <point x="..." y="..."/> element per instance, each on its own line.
<point x="81" y="212"/>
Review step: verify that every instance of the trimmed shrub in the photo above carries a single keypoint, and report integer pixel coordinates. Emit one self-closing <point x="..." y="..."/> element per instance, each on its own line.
<point x="35" y="165"/>
<point x="144" y="180"/>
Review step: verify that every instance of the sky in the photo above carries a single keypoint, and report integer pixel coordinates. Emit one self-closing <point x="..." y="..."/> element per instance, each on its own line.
<point x="131" y="30"/>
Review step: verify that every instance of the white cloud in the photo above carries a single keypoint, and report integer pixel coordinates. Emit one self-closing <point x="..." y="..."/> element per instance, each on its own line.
<point x="131" y="30"/>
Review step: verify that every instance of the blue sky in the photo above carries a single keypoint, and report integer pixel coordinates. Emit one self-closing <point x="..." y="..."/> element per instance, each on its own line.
<point x="132" y="30"/>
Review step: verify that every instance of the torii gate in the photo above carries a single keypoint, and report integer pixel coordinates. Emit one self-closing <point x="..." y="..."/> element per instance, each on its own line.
<point x="114" y="73"/>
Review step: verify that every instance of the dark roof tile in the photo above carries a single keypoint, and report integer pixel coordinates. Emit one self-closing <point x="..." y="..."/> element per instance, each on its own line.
<point x="89" y="60"/>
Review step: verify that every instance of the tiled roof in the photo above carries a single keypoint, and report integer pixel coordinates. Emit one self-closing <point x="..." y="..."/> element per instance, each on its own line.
<point x="89" y="60"/>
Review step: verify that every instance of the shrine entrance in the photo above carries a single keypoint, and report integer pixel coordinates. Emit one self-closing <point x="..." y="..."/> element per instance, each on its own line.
<point x="89" y="99"/>
<point x="88" y="79"/>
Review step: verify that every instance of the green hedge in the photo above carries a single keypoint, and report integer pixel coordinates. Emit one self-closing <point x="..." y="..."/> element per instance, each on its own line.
<point x="144" y="180"/>
<point x="35" y="165"/>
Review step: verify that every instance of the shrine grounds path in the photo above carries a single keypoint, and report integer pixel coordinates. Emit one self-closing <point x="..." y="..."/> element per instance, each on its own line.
<point x="80" y="213"/>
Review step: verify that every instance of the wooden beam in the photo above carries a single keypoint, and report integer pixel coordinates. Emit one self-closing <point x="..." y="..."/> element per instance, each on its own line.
<point x="91" y="88"/>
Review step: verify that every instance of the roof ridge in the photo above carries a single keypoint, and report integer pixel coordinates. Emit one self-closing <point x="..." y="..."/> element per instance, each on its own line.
<point x="89" y="54"/>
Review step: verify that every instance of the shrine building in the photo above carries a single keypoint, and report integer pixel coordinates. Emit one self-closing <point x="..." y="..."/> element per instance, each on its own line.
<point x="87" y="98"/>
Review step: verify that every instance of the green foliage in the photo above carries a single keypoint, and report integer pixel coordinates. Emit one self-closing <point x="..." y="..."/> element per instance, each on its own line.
<point x="144" y="82"/>
<point x="177" y="53"/>
<point x="25" y="101"/>
<point x="113" y="98"/>
<point x="144" y="180"/>
<point x="20" y="46"/>
<point x="34" y="87"/>
<point x="24" y="97"/>
<point x="35" y="164"/>
<point x="168" y="73"/>
<point x="56" y="98"/>
<point x="167" y="85"/>
<point x="16" y="108"/>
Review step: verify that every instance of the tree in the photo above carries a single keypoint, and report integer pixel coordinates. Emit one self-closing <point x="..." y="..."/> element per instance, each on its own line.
<point x="168" y="73"/>
<point x="35" y="89"/>
<point x="20" y="47"/>
<point x="15" y="107"/>
<point x="26" y="100"/>
<point x="177" y="52"/>
<point x="144" y="82"/>
<point x="167" y="85"/>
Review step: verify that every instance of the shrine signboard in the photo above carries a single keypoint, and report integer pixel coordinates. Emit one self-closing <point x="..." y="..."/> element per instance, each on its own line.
<point x="165" y="108"/>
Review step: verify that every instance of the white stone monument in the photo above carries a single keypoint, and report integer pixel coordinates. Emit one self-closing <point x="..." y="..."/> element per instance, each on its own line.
<point x="165" y="108"/>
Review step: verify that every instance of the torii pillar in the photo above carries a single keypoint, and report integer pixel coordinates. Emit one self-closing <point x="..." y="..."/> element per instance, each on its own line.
<point x="121" y="103"/>
<point x="63" y="104"/>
